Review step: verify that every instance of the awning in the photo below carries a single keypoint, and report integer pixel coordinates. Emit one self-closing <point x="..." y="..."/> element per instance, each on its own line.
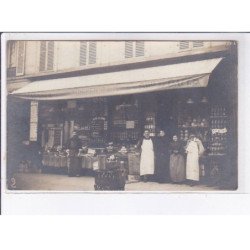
<point x="175" y="76"/>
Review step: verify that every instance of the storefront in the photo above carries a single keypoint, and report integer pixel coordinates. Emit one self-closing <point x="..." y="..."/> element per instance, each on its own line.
<point x="196" y="97"/>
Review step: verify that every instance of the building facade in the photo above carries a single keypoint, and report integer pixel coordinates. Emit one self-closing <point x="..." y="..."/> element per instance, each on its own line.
<point x="155" y="80"/>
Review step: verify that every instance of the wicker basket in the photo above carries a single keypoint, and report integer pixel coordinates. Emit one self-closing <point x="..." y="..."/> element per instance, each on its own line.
<point x="114" y="179"/>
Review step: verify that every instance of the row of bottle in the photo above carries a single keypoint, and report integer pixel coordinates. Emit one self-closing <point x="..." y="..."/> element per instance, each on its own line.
<point x="126" y="135"/>
<point x="217" y="149"/>
<point x="218" y="111"/>
<point x="219" y="138"/>
<point x="184" y="135"/>
<point x="150" y="127"/>
<point x="219" y="123"/>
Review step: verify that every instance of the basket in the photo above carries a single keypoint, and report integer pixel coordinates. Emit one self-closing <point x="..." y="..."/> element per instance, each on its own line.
<point x="114" y="179"/>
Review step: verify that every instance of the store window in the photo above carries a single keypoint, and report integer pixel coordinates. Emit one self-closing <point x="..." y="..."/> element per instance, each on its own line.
<point x="125" y="120"/>
<point x="134" y="49"/>
<point x="87" y="53"/>
<point x="46" y="55"/>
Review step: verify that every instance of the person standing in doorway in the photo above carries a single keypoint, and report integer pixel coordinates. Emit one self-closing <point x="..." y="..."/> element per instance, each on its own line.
<point x="161" y="157"/>
<point x="177" y="163"/>
<point x="74" y="144"/>
<point x="192" y="166"/>
<point x="147" y="161"/>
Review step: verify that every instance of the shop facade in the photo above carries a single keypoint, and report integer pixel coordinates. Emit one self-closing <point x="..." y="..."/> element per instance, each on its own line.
<point x="193" y="96"/>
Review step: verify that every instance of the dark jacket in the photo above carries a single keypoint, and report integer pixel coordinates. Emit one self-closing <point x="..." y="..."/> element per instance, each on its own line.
<point x="176" y="147"/>
<point x="161" y="145"/>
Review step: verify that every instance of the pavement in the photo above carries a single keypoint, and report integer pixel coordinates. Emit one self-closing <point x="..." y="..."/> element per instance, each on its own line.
<point x="59" y="182"/>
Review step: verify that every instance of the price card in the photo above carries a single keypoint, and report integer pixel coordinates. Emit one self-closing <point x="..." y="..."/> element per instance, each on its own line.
<point x="130" y="124"/>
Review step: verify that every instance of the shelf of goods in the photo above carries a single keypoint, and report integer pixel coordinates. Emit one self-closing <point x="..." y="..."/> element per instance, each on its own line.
<point x="150" y="123"/>
<point x="219" y="130"/>
<point x="92" y="121"/>
<point x="125" y="123"/>
<point x="194" y="119"/>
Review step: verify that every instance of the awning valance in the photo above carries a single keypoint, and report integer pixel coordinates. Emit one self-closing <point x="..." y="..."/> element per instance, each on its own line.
<point x="182" y="75"/>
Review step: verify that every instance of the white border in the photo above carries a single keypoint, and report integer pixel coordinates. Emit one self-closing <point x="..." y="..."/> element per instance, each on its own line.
<point x="132" y="202"/>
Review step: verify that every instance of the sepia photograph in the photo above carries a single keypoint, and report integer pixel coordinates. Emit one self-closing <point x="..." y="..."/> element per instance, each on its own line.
<point x="121" y="115"/>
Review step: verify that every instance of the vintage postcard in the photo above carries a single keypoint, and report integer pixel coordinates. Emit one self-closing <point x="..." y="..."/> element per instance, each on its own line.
<point x="121" y="115"/>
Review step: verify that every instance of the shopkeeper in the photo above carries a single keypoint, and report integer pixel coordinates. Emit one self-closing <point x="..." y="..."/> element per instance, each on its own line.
<point x="147" y="165"/>
<point x="73" y="146"/>
<point x="177" y="162"/>
<point x="192" y="165"/>
<point x="161" y="150"/>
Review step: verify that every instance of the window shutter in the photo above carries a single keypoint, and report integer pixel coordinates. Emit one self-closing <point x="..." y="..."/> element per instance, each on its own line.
<point x="92" y="52"/>
<point x="20" y="58"/>
<point x="83" y="53"/>
<point x="42" y="56"/>
<point x="184" y="45"/>
<point x="50" y="57"/>
<point x="139" y="48"/>
<point x="128" y="49"/>
<point x="197" y="44"/>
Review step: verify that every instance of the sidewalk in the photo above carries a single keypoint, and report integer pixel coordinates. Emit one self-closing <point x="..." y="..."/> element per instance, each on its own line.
<point x="56" y="182"/>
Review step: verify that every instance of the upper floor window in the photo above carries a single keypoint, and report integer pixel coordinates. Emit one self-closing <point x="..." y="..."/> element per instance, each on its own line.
<point x="46" y="55"/>
<point x="197" y="44"/>
<point x="188" y="45"/>
<point x="87" y="53"/>
<point x="16" y="58"/>
<point x="134" y="49"/>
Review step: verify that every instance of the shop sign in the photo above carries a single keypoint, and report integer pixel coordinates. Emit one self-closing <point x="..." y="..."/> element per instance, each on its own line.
<point x="219" y="131"/>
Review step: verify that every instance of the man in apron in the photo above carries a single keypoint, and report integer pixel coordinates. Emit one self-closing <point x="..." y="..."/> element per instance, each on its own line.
<point x="192" y="166"/>
<point x="147" y="162"/>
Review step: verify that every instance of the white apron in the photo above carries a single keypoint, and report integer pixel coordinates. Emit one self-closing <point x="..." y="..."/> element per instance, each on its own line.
<point x="192" y="167"/>
<point x="147" y="165"/>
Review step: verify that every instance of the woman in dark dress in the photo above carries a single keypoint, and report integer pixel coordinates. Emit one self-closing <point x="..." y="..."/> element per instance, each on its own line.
<point x="74" y="144"/>
<point x="162" y="158"/>
<point x="177" y="163"/>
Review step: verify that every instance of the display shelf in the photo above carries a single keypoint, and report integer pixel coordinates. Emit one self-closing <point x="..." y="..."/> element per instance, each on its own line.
<point x="125" y="123"/>
<point x="219" y="130"/>
<point x="219" y="116"/>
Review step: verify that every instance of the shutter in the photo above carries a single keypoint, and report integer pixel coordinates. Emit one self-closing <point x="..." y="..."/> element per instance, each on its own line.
<point x="128" y="49"/>
<point x="92" y="52"/>
<point x="197" y="44"/>
<point x="50" y="57"/>
<point x="20" y="58"/>
<point x="42" y="56"/>
<point x="184" y="45"/>
<point x="83" y="53"/>
<point x="139" y="48"/>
